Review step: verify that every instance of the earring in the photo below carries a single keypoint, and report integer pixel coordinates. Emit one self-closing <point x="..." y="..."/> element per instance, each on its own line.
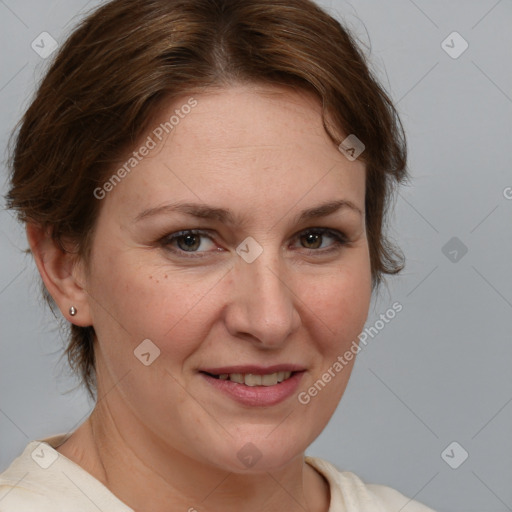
<point x="72" y="311"/>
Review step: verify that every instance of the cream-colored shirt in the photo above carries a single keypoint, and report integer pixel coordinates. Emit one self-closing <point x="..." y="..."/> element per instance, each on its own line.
<point x="43" y="480"/>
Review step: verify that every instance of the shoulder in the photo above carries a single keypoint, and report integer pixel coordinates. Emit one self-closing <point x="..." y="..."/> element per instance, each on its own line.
<point x="21" y="488"/>
<point x="395" y="500"/>
<point x="350" y="492"/>
<point x="43" y="480"/>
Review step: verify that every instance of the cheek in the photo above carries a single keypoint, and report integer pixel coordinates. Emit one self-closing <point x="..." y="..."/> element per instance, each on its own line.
<point x="340" y="306"/>
<point x="340" y="302"/>
<point x="135" y="300"/>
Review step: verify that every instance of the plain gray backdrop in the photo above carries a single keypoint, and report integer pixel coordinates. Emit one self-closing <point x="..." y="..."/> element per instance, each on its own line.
<point x="440" y="372"/>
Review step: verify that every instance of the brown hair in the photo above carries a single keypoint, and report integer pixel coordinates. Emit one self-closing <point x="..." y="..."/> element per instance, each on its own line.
<point x="129" y="56"/>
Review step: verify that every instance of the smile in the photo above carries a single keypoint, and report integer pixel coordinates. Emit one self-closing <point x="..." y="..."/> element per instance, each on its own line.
<point x="252" y="385"/>
<point x="251" y="379"/>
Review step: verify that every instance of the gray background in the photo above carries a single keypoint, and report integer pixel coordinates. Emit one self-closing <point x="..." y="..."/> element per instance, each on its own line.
<point x="441" y="370"/>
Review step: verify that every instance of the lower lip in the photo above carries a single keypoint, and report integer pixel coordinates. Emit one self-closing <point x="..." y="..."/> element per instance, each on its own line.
<point x="256" y="395"/>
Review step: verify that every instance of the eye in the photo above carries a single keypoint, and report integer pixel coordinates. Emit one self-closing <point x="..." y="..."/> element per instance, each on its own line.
<point x="315" y="240"/>
<point x="197" y="243"/>
<point x="189" y="241"/>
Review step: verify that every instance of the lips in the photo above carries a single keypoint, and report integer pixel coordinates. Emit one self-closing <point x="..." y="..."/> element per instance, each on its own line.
<point x="251" y="375"/>
<point x="255" y="385"/>
<point x="251" y="379"/>
<point x="254" y="369"/>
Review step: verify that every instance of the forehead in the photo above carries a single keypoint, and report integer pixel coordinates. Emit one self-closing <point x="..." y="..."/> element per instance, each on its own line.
<point x="251" y="119"/>
<point x="247" y="145"/>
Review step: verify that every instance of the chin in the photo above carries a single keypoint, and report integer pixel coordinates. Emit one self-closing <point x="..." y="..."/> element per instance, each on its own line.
<point x="258" y="452"/>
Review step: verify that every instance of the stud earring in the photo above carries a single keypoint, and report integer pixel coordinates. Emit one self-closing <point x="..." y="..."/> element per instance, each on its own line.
<point x="72" y="311"/>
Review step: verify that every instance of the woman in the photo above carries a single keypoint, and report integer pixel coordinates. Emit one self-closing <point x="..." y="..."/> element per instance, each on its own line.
<point x="204" y="185"/>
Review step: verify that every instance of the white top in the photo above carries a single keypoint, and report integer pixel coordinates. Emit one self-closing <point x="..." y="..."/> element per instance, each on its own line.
<point x="43" y="480"/>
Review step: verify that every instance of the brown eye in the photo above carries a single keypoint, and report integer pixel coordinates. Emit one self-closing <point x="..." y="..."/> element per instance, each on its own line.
<point x="311" y="240"/>
<point x="189" y="243"/>
<point x="321" y="240"/>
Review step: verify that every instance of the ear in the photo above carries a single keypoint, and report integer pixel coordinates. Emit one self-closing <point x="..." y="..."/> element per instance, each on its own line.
<point x="62" y="273"/>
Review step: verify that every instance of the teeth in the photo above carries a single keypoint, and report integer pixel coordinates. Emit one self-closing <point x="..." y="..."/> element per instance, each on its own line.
<point x="250" y="379"/>
<point x="236" y="377"/>
<point x="269" y="380"/>
<point x="253" y="380"/>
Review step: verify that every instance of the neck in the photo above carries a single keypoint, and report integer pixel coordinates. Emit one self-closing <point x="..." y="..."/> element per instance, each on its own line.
<point x="138" y="467"/>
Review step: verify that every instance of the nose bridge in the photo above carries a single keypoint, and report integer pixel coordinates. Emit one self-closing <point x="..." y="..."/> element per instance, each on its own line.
<point x="264" y="305"/>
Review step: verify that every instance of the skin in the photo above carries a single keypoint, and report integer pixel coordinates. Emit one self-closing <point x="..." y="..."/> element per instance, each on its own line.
<point x="160" y="434"/>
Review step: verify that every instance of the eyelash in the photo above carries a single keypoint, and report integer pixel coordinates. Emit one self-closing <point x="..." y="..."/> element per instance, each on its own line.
<point x="340" y="240"/>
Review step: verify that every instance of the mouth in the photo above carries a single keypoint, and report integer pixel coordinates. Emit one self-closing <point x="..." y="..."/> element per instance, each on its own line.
<point x="252" y="379"/>
<point x="255" y="385"/>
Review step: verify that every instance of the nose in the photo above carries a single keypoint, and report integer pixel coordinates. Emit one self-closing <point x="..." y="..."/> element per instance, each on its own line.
<point x="262" y="306"/>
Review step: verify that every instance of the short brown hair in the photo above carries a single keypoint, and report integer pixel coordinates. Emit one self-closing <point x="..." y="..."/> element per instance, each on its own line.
<point x="130" y="56"/>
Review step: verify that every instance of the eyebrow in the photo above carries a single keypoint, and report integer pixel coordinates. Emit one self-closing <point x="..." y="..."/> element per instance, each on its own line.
<point x="225" y="216"/>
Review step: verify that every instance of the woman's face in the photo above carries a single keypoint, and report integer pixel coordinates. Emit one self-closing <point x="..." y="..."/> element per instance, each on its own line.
<point x="236" y="245"/>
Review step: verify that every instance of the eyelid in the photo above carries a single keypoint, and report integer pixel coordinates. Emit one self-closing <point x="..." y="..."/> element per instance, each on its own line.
<point x="339" y="237"/>
<point x="166" y="240"/>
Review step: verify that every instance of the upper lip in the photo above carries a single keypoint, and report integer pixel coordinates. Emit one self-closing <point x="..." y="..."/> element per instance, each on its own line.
<point x="253" y="369"/>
